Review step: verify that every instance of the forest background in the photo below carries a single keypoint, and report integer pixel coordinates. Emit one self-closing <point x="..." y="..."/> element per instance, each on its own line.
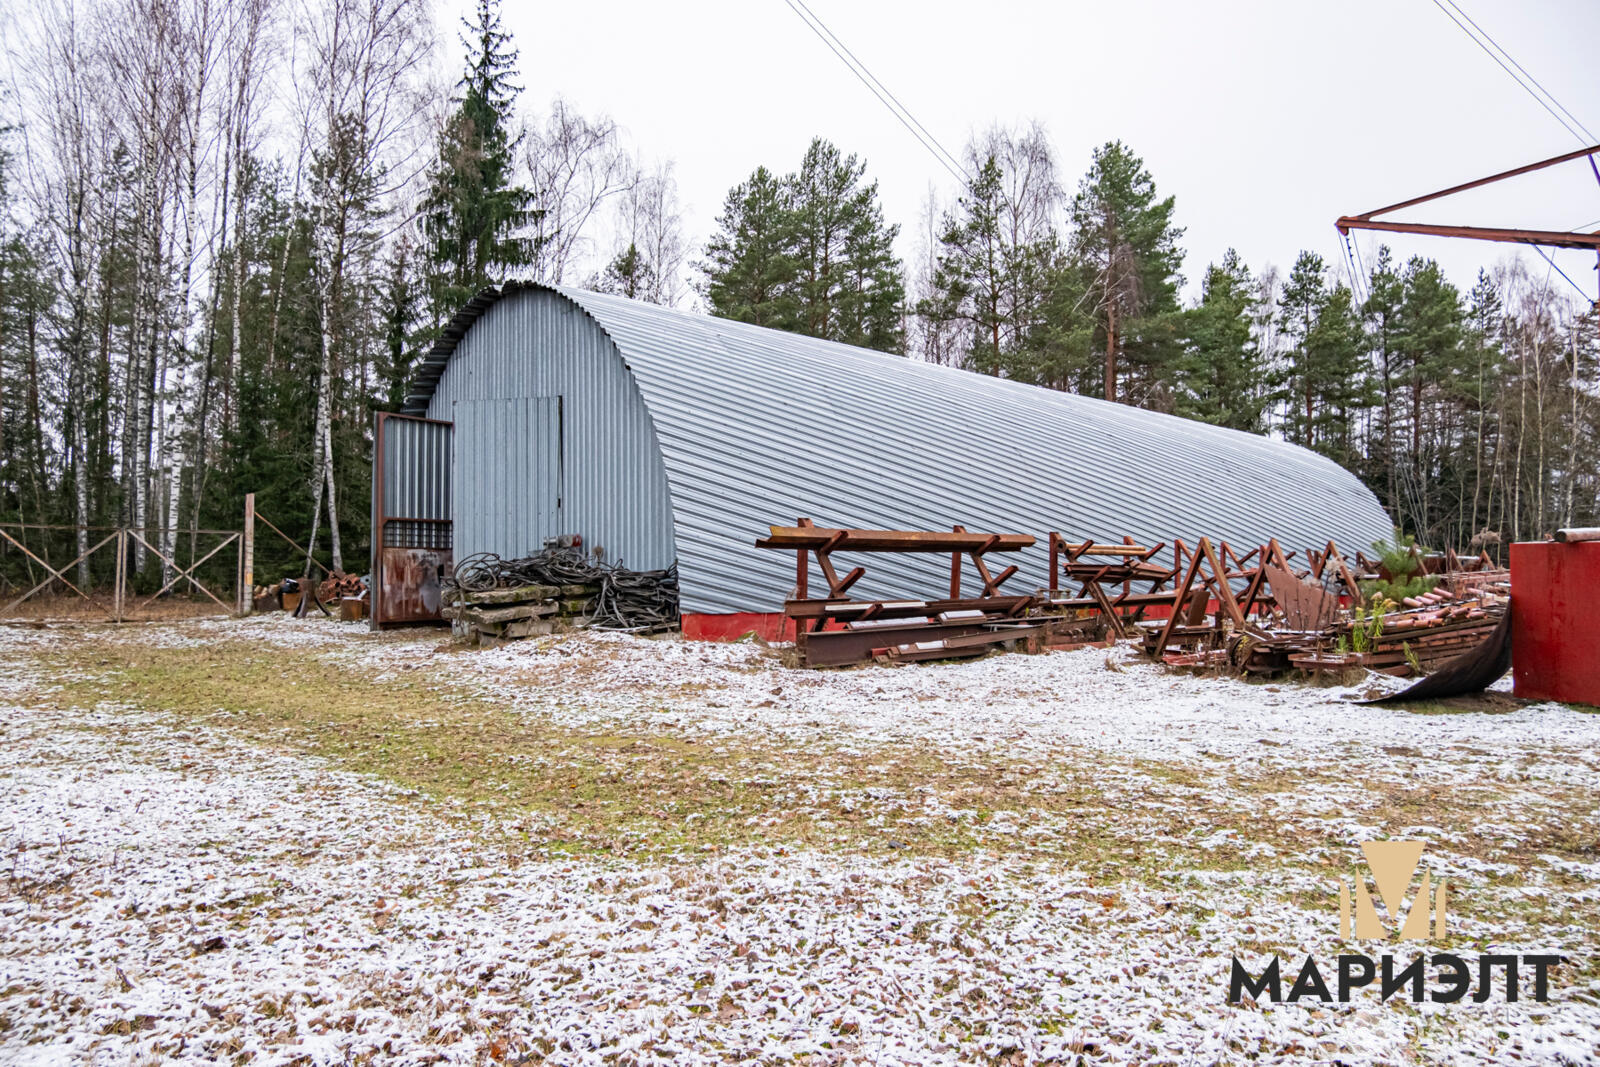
<point x="228" y="228"/>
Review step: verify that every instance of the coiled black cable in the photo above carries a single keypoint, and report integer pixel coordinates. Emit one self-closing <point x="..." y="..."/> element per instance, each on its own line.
<point x="628" y="600"/>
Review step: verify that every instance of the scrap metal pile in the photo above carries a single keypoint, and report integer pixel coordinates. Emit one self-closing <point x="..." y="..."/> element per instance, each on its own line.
<point x="1257" y="613"/>
<point x="1200" y="605"/>
<point x="835" y="630"/>
<point x="346" y="592"/>
<point x="489" y="599"/>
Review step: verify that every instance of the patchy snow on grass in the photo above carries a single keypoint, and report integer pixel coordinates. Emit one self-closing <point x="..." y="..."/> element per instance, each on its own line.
<point x="1030" y="705"/>
<point x="171" y="896"/>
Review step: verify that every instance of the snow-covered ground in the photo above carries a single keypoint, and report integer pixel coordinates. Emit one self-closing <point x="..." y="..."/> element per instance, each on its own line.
<point x="171" y="895"/>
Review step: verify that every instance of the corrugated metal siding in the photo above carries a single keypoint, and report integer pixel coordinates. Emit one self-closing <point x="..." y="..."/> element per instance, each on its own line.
<point x="519" y="438"/>
<point x="757" y="426"/>
<point x="415" y="474"/>
<point x="541" y="348"/>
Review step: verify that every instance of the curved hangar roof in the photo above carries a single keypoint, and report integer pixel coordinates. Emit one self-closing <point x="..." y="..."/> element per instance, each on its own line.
<point x="757" y="426"/>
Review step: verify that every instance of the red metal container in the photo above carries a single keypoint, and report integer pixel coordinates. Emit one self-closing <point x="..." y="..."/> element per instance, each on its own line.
<point x="1555" y="625"/>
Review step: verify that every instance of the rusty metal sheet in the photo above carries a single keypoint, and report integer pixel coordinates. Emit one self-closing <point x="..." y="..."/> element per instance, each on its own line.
<point x="411" y="583"/>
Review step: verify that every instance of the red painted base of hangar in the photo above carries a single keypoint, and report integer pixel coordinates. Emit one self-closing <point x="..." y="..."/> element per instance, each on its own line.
<point x="769" y="626"/>
<point x="1555" y="621"/>
<point x="776" y="627"/>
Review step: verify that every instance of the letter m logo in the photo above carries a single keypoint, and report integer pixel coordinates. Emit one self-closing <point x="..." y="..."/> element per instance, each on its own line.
<point x="1393" y="865"/>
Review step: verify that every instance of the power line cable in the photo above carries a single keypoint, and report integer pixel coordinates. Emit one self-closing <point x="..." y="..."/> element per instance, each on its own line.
<point x="907" y="111"/>
<point x="884" y="96"/>
<point x="1576" y="131"/>
<point x="1581" y="290"/>
<point x="1509" y="58"/>
<point x="1350" y="269"/>
<point x="1362" y="267"/>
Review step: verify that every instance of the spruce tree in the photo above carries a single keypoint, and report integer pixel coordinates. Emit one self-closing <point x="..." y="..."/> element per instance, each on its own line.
<point x="628" y="274"/>
<point x="475" y="212"/>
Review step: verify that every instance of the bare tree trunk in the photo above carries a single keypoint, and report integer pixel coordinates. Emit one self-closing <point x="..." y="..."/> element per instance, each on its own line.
<point x="1572" y="439"/>
<point x="1111" y="340"/>
<point x="324" y="422"/>
<point x="1540" y="529"/>
<point x="320" y="485"/>
<point x="197" y="43"/>
<point x="1522" y="434"/>
<point x="333" y="503"/>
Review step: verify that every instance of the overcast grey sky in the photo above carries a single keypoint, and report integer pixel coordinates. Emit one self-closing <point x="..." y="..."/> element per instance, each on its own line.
<point x="1266" y="120"/>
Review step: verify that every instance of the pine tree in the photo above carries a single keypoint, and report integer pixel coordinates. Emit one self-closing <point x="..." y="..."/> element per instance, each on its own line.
<point x="628" y="274"/>
<point x="1218" y="377"/>
<point x="848" y="285"/>
<point x="1484" y="335"/>
<point x="750" y="270"/>
<point x="1323" y="385"/>
<point x="1125" y="237"/>
<point x="809" y="253"/>
<point x="474" y="211"/>
<point x="1432" y="362"/>
<point x="996" y="283"/>
<point x="993" y="278"/>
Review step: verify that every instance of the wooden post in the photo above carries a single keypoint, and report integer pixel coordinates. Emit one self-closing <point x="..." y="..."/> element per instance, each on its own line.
<point x="118" y="594"/>
<point x="247" y="556"/>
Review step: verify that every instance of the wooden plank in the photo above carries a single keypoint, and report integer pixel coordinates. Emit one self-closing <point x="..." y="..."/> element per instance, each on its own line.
<point x="514" y="595"/>
<point x="498" y="616"/>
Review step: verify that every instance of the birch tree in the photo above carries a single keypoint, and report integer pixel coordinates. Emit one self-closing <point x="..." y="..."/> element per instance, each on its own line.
<point x="575" y="166"/>
<point x="365" y="95"/>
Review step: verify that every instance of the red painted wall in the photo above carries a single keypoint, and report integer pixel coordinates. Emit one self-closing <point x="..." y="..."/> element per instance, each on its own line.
<point x="1555" y="621"/>
<point x="769" y="626"/>
<point x="777" y="627"/>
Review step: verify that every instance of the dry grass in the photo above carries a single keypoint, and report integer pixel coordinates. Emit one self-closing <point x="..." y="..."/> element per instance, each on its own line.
<point x="647" y="789"/>
<point x="566" y="789"/>
<point x="46" y="607"/>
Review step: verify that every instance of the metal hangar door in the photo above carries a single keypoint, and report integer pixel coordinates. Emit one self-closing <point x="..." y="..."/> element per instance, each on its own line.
<point x="412" y="533"/>
<point x="509" y="473"/>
